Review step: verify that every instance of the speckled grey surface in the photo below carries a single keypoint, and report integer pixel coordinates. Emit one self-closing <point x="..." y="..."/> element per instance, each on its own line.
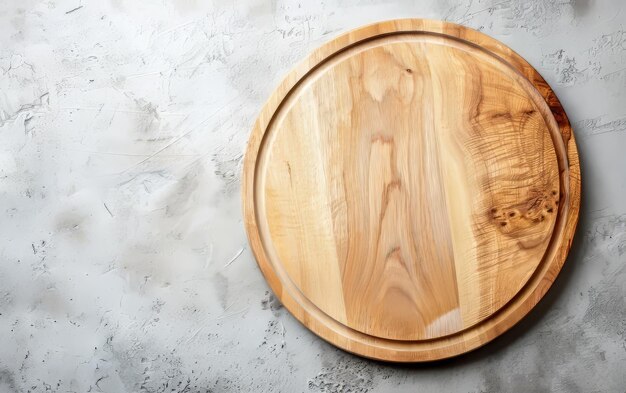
<point x="124" y="265"/>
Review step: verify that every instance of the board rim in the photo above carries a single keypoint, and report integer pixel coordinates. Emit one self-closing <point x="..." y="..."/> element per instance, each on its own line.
<point x="508" y="315"/>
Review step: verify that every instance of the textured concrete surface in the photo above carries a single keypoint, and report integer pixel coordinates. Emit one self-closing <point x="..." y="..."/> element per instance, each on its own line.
<point x="124" y="265"/>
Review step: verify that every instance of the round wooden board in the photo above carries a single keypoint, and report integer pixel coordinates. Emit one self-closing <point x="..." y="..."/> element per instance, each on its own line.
<point x="411" y="190"/>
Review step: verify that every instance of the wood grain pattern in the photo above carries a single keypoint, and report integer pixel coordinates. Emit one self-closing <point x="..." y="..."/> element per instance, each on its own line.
<point x="411" y="190"/>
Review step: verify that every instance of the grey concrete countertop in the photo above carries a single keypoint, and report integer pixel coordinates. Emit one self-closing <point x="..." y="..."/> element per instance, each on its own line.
<point x="124" y="265"/>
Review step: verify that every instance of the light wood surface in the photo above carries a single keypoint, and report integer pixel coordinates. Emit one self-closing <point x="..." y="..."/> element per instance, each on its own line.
<point x="411" y="190"/>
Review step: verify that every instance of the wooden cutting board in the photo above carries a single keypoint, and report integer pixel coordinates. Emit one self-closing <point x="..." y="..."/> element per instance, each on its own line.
<point x="411" y="190"/>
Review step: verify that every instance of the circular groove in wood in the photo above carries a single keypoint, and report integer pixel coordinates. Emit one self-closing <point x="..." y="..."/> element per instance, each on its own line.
<point x="293" y="96"/>
<point x="410" y="342"/>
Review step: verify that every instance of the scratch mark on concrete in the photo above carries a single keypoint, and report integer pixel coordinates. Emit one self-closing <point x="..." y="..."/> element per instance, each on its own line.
<point x="185" y="134"/>
<point x="74" y="9"/>
<point x="233" y="313"/>
<point x="109" y="210"/>
<point x="235" y="257"/>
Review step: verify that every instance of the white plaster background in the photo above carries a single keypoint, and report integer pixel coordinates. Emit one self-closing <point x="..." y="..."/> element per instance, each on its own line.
<point x="124" y="265"/>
